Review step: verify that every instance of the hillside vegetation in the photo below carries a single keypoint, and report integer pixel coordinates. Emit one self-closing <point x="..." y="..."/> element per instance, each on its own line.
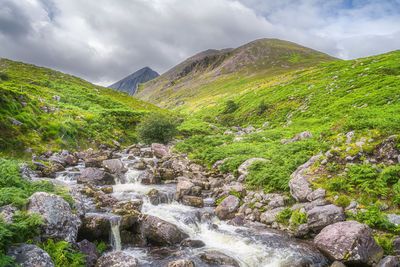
<point x="45" y="109"/>
<point x="213" y="74"/>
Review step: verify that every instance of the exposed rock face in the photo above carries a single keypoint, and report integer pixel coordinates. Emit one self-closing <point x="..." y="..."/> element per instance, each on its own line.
<point x="60" y="222"/>
<point x="299" y="185"/>
<point x="95" y="226"/>
<point x="300" y="136"/>
<point x="114" y="166"/>
<point x="89" y="249"/>
<point x="218" y="258"/>
<point x="242" y="170"/>
<point x="160" y="232"/>
<point x="181" y="263"/>
<point x="160" y="150"/>
<point x="321" y="216"/>
<point x="389" y="261"/>
<point x="193" y="201"/>
<point x="116" y="259"/>
<point x="30" y="255"/>
<point x="183" y="187"/>
<point x="129" y="84"/>
<point x="268" y="217"/>
<point x="148" y="177"/>
<point x="227" y="208"/>
<point x="350" y="242"/>
<point x="95" y="176"/>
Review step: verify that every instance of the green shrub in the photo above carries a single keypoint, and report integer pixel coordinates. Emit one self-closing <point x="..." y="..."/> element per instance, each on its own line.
<point x="283" y="216"/>
<point x="230" y="107"/>
<point x="219" y="200"/>
<point x="209" y="118"/>
<point x="298" y="218"/>
<point x="226" y="120"/>
<point x="4" y="76"/>
<point x="385" y="241"/>
<point x="101" y="246"/>
<point x="261" y="108"/>
<point x="156" y="127"/>
<point x="62" y="254"/>
<point x="342" y="201"/>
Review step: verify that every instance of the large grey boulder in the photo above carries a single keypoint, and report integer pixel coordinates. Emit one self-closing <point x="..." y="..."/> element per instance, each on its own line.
<point x="227" y="208"/>
<point x="114" y="166"/>
<point x="243" y="168"/>
<point x="299" y="185"/>
<point x="160" y="150"/>
<point x="321" y="216"/>
<point x="389" y="261"/>
<point x="95" y="227"/>
<point x="117" y="259"/>
<point x="349" y="242"/>
<point x="90" y="250"/>
<point x="268" y="217"/>
<point x="300" y="136"/>
<point x="95" y="176"/>
<point x="217" y="258"/>
<point x="183" y="187"/>
<point x="30" y="255"/>
<point x="59" y="222"/>
<point x="160" y="232"/>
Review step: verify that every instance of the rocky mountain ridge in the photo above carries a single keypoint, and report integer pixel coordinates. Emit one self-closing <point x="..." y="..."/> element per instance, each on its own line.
<point x="129" y="83"/>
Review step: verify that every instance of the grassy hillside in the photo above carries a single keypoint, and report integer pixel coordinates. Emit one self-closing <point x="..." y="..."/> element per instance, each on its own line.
<point x="214" y="74"/>
<point x="61" y="111"/>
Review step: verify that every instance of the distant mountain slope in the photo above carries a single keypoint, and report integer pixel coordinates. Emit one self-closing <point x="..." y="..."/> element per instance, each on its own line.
<point x="129" y="83"/>
<point x="45" y="109"/>
<point x="212" y="73"/>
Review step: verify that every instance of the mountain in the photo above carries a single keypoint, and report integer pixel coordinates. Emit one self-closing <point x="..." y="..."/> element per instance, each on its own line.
<point x="209" y="75"/>
<point x="45" y="109"/>
<point x="130" y="82"/>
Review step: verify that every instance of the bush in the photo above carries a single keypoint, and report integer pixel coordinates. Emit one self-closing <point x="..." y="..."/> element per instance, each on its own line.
<point x="342" y="201"/>
<point x="283" y="216"/>
<point x="4" y="76"/>
<point x="226" y="120"/>
<point x="261" y="108"/>
<point x="298" y="218"/>
<point x="156" y="128"/>
<point x="62" y="254"/>
<point x="230" y="107"/>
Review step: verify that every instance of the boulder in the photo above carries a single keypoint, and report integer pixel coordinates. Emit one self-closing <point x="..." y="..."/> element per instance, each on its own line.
<point x="181" y="263"/>
<point x="95" y="227"/>
<point x="160" y="232"/>
<point x="394" y="218"/>
<point x="192" y="243"/>
<point x="7" y="213"/>
<point x="389" y="261"/>
<point x="160" y="150"/>
<point x="349" y="242"/>
<point x="268" y="217"/>
<point x="300" y="136"/>
<point x="116" y="259"/>
<point x="183" y="187"/>
<point x="154" y="196"/>
<point x="242" y="170"/>
<point x="148" y="177"/>
<point x="217" y="258"/>
<point x="30" y="255"/>
<point x="193" y="201"/>
<point x="317" y="194"/>
<point x="396" y="246"/>
<point x="299" y="185"/>
<point x="58" y="158"/>
<point x="321" y="216"/>
<point x="114" y="166"/>
<point x="90" y="250"/>
<point x="59" y="222"/>
<point x="95" y="176"/>
<point x="227" y="208"/>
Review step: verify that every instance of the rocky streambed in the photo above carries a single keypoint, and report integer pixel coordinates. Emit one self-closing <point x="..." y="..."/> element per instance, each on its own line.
<point x="156" y="208"/>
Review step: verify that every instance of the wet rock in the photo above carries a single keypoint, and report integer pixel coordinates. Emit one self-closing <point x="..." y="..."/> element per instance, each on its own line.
<point x="389" y="261"/>
<point x="181" y="263"/>
<point x="183" y="187"/>
<point x="30" y="255"/>
<point x="268" y="217"/>
<point x="337" y="264"/>
<point x="95" y="162"/>
<point x="90" y="250"/>
<point x="192" y="243"/>
<point x="114" y="166"/>
<point x="154" y="196"/>
<point x="321" y="216"/>
<point x="7" y="213"/>
<point x="160" y="232"/>
<point x="237" y="221"/>
<point x="51" y="171"/>
<point x="95" y="176"/>
<point x="227" y="208"/>
<point x="116" y="259"/>
<point x="148" y="177"/>
<point x="349" y="242"/>
<point x="299" y="185"/>
<point x="160" y="150"/>
<point x="58" y="158"/>
<point x="218" y="258"/>
<point x="95" y="227"/>
<point x="193" y="201"/>
<point x="104" y="200"/>
<point x="59" y="222"/>
<point x="139" y="166"/>
<point x="129" y="205"/>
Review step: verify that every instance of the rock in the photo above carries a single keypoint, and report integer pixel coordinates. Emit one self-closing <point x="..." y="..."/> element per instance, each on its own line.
<point x="30" y="255"/>
<point x="396" y="246"/>
<point x="114" y="166"/>
<point x="266" y="124"/>
<point x="275" y="201"/>
<point x="139" y="166"/>
<point x="104" y="200"/>
<point x="192" y="243"/>
<point x="394" y="218"/>
<point x="57" y="158"/>
<point x="242" y="170"/>
<point x="160" y="150"/>
<point x="183" y="187"/>
<point x="300" y="136"/>
<point x="301" y="230"/>
<point x="220" y="162"/>
<point x="321" y="216"/>
<point x="116" y="259"/>
<point x="249" y="129"/>
<point x="227" y="208"/>
<point x="238" y="139"/>
<point x="7" y="213"/>
<point x="90" y="250"/>
<point x="95" y="176"/>
<point x="59" y="222"/>
<point x="337" y="264"/>
<point x="181" y="263"/>
<point x="160" y="232"/>
<point x="148" y="177"/>
<point x="217" y="258"/>
<point x="193" y="201"/>
<point x="317" y="194"/>
<point x="349" y="242"/>
<point x="268" y="217"/>
<point x="299" y="185"/>
<point x="51" y="171"/>
<point x="153" y="195"/>
<point x="95" y="227"/>
<point x="389" y="261"/>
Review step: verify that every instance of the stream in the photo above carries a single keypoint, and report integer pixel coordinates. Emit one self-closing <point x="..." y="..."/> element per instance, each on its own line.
<point x="249" y="246"/>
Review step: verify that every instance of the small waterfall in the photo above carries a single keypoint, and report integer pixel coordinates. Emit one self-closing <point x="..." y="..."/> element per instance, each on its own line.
<point x="115" y="222"/>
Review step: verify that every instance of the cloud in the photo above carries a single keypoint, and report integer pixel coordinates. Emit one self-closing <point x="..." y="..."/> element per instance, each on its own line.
<point x="103" y="41"/>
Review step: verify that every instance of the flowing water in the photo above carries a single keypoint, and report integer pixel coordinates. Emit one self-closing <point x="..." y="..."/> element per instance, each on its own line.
<point x="249" y="246"/>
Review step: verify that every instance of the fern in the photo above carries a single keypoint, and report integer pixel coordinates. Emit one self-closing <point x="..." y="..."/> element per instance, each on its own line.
<point x="62" y="254"/>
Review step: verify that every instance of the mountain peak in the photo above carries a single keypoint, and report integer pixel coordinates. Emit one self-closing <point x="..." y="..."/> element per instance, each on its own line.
<point x="130" y="82"/>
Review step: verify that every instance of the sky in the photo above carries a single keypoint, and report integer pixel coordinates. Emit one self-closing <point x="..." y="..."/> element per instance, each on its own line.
<point x="103" y="41"/>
